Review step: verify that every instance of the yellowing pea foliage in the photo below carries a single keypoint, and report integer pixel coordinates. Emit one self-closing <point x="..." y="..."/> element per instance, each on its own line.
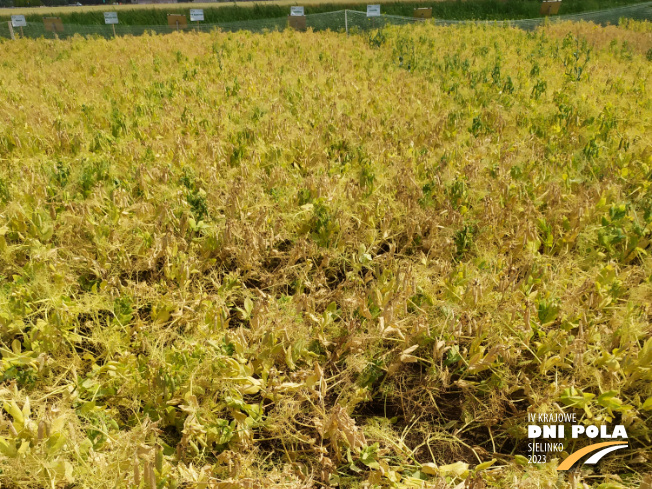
<point x="294" y="258"/>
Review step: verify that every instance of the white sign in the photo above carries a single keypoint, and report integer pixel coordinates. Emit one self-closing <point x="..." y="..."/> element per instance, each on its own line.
<point x="18" y="21"/>
<point x="373" y="10"/>
<point x="110" y="17"/>
<point x="296" y="11"/>
<point x="196" y="14"/>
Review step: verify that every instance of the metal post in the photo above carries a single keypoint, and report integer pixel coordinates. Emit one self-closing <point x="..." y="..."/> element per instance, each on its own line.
<point x="11" y="31"/>
<point x="346" y="21"/>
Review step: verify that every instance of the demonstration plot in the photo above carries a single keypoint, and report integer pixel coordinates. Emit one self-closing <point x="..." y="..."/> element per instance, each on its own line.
<point x="411" y="257"/>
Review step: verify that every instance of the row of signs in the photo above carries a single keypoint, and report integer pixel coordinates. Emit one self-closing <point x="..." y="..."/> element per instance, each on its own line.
<point x="196" y="15"/>
<point x="372" y="11"/>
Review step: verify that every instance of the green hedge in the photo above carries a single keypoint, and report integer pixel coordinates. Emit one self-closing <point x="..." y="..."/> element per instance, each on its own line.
<point x="484" y="9"/>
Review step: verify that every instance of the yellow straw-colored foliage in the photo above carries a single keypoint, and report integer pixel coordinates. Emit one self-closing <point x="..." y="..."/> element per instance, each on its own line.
<point x="306" y="259"/>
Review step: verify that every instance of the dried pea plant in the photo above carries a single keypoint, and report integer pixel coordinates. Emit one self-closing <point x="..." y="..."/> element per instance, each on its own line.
<point x="311" y="260"/>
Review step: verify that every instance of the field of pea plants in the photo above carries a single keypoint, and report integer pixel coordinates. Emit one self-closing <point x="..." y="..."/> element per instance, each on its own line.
<point x="290" y="260"/>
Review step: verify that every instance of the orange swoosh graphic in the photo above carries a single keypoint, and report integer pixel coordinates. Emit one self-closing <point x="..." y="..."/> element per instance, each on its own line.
<point x="571" y="459"/>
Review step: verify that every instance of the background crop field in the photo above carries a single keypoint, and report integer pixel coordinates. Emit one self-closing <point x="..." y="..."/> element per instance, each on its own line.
<point x="312" y="260"/>
<point x="237" y="11"/>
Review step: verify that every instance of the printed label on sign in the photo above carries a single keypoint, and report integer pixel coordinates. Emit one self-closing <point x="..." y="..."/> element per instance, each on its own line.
<point x="110" y="17"/>
<point x="196" y="15"/>
<point x="373" y="10"/>
<point x="18" y="21"/>
<point x="296" y="11"/>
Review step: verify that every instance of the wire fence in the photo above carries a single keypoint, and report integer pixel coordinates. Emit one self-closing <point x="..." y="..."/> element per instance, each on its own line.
<point x="640" y="11"/>
<point x="341" y="20"/>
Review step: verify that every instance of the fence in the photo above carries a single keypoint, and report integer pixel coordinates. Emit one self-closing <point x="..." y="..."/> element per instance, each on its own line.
<point x="341" y="20"/>
<point x="640" y="11"/>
